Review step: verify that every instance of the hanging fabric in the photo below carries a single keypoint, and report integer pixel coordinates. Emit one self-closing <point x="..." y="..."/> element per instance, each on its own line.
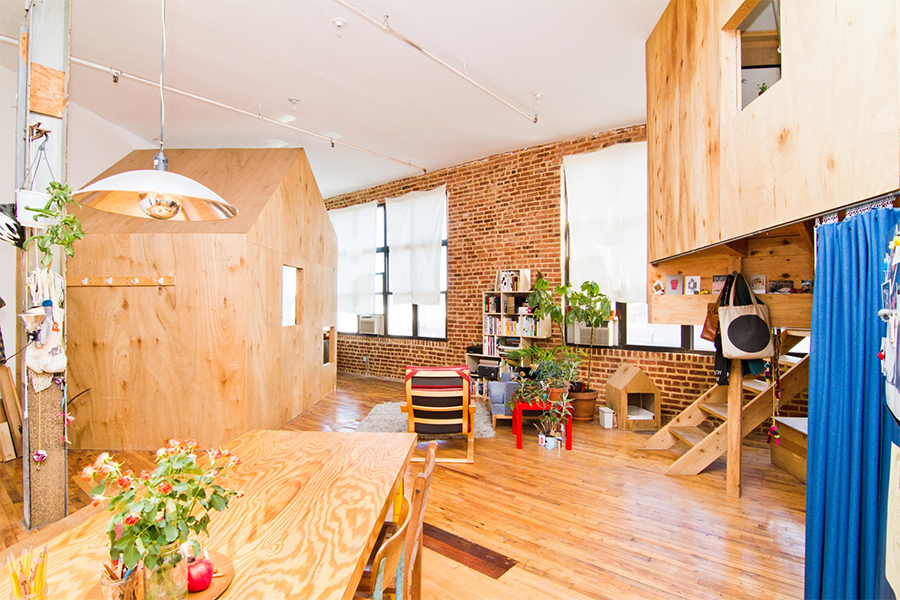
<point x="416" y="226"/>
<point x="845" y="412"/>
<point x="356" y="229"/>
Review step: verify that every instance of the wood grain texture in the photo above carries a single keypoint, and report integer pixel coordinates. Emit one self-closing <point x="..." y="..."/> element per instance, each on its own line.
<point x="206" y="358"/>
<point x="312" y="507"/>
<point x="578" y="532"/>
<point x="47" y="93"/>
<point x="735" y="437"/>
<point x="825" y="136"/>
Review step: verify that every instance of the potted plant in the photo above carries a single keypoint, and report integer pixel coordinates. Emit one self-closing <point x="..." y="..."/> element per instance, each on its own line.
<point x="593" y="308"/>
<point x="61" y="229"/>
<point x="551" y="423"/>
<point x="156" y="513"/>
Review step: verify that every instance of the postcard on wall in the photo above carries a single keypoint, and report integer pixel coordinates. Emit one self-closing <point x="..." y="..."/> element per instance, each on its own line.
<point x="692" y="285"/>
<point x="806" y="286"/>
<point x="758" y="284"/>
<point x="781" y="286"/>
<point x="675" y="284"/>
<point x="718" y="283"/>
<point x="659" y="287"/>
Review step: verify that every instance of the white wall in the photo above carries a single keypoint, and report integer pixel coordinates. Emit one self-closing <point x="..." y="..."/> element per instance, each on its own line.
<point x="94" y="144"/>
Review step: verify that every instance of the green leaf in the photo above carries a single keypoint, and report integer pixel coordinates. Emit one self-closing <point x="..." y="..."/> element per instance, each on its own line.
<point x="132" y="556"/>
<point x="97" y="491"/>
<point x="171" y="533"/>
<point x="140" y="546"/>
<point x="218" y="502"/>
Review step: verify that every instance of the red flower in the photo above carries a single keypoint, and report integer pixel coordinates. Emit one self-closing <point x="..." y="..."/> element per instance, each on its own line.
<point x="106" y="469"/>
<point x="160" y="453"/>
<point x="96" y="500"/>
<point x="191" y="443"/>
<point x="160" y="516"/>
<point x="87" y="473"/>
<point x="146" y="475"/>
<point x="100" y="460"/>
<point x="132" y="519"/>
<point x="164" y="488"/>
<point x="174" y="442"/>
<point x="124" y="482"/>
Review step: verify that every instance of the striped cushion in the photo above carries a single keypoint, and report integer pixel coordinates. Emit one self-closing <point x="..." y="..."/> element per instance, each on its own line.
<point x="438" y="388"/>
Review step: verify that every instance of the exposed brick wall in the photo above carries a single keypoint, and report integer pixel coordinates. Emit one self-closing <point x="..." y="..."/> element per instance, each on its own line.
<point x="505" y="212"/>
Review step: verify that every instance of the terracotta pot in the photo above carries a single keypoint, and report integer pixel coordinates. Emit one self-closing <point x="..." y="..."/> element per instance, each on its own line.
<point x="583" y="404"/>
<point x="556" y="394"/>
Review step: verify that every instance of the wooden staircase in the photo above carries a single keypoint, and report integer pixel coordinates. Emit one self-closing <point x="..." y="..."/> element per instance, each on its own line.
<point x="707" y="447"/>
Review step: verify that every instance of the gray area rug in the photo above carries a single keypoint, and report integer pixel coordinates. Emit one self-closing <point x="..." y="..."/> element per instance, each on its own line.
<point x="387" y="418"/>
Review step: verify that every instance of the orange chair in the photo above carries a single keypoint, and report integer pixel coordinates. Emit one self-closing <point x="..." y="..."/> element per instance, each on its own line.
<point x="438" y="403"/>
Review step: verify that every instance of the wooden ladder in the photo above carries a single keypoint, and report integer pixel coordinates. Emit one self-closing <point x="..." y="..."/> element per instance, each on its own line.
<point x="707" y="447"/>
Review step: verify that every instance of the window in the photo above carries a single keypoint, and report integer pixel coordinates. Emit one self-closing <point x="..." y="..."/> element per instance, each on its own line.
<point x="402" y="319"/>
<point x="291" y="296"/>
<point x="605" y="195"/>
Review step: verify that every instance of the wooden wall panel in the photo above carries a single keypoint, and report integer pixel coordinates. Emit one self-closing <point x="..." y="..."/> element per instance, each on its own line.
<point x="683" y="103"/>
<point x="828" y="133"/>
<point x="206" y="358"/>
<point x="164" y="362"/>
<point x="825" y="136"/>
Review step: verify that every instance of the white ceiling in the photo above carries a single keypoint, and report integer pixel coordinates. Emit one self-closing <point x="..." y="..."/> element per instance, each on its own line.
<point x="367" y="88"/>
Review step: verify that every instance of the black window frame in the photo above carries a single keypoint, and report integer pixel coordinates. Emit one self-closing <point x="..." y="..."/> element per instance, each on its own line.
<point x="386" y="292"/>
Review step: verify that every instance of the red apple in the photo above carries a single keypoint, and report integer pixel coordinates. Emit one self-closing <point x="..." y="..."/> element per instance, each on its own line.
<point x="200" y="574"/>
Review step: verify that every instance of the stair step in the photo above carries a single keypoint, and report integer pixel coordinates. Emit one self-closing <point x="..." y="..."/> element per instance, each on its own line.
<point x="755" y="384"/>
<point x="788" y="359"/>
<point x="716" y="409"/>
<point x="690" y="435"/>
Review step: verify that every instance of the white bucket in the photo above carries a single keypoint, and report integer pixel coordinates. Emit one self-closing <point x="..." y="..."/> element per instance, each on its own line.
<point x="29" y="198"/>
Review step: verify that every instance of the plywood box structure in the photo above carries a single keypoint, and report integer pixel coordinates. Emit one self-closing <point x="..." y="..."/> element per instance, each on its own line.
<point x="824" y="137"/>
<point x="206" y="354"/>
<point x="634" y="397"/>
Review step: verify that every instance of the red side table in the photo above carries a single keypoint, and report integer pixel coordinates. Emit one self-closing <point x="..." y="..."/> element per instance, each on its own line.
<point x="517" y="421"/>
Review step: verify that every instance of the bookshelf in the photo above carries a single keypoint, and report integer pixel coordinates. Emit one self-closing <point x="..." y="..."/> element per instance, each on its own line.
<point x="507" y="324"/>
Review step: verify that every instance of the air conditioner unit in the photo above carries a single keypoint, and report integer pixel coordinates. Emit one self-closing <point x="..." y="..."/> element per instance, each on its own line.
<point x="371" y="324"/>
<point x="580" y="334"/>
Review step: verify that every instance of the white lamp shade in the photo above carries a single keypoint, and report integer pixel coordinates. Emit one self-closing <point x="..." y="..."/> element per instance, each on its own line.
<point x="123" y="193"/>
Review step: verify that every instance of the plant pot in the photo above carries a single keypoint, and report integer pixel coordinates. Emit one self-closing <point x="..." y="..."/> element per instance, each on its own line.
<point x="29" y="198"/>
<point x="552" y="443"/>
<point x="583" y="404"/>
<point x="555" y="394"/>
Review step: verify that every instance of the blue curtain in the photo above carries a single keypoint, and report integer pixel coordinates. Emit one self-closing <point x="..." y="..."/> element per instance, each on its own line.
<point x="845" y="397"/>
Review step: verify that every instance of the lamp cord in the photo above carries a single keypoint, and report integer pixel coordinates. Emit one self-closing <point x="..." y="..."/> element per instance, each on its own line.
<point x="162" y="78"/>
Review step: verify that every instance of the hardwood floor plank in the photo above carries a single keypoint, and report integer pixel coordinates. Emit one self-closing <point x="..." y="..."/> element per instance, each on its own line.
<point x="602" y="521"/>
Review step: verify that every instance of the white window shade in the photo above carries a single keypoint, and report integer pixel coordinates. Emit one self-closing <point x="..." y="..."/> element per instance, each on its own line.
<point x="356" y="232"/>
<point x="416" y="223"/>
<point x="606" y="195"/>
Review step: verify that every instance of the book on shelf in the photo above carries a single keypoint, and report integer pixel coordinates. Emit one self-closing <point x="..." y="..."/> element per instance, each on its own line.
<point x="513" y="280"/>
<point x="492" y="304"/>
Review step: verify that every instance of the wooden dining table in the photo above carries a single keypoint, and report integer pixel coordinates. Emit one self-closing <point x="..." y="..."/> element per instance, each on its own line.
<point x="312" y="508"/>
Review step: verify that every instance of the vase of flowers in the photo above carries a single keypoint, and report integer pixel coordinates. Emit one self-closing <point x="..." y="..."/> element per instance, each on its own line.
<point x="158" y="511"/>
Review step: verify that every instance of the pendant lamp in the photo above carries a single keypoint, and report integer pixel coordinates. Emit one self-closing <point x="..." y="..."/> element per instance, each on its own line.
<point x="156" y="193"/>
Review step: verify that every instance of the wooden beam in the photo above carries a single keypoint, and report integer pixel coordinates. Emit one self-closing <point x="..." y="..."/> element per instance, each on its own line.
<point x="735" y="424"/>
<point x="735" y="20"/>
<point x="760" y="49"/>
<point x="739" y="247"/>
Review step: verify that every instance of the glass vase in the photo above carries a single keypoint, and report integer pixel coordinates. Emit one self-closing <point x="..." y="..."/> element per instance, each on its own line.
<point x="168" y="581"/>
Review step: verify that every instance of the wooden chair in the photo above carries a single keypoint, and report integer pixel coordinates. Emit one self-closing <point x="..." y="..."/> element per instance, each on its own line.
<point x="405" y="573"/>
<point x="438" y="403"/>
<point x="387" y="568"/>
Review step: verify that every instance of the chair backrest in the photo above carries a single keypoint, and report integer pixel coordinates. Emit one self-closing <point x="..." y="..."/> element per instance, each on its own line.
<point x="419" y="499"/>
<point x="390" y="556"/>
<point x="438" y="399"/>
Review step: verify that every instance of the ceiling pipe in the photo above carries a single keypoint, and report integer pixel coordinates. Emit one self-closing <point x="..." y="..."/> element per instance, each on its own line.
<point x="385" y="27"/>
<point x="116" y="73"/>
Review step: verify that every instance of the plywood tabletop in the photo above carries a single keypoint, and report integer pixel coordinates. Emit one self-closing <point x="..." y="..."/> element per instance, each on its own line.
<point x="312" y="506"/>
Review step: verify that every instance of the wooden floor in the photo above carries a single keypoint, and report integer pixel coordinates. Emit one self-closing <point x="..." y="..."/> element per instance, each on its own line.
<point x="601" y="521"/>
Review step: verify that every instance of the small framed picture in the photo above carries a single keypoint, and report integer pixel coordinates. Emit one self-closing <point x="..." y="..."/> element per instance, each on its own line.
<point x="758" y="284"/>
<point x="674" y="284"/>
<point x="692" y="285"/>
